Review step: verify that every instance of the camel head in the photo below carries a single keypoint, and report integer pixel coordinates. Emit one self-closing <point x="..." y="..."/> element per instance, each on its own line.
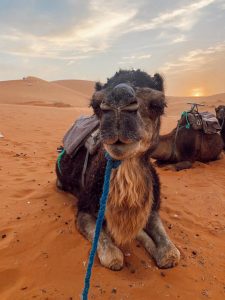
<point x="220" y="113"/>
<point x="129" y="116"/>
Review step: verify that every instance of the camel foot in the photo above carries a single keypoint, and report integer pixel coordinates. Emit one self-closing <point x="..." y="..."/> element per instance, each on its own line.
<point x="167" y="257"/>
<point x="111" y="257"/>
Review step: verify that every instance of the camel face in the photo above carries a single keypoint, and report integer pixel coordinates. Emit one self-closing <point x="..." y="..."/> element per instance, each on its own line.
<point x="129" y="119"/>
<point x="220" y="112"/>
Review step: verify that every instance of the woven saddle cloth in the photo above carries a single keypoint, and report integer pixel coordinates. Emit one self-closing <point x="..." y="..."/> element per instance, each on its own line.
<point x="205" y="121"/>
<point x="84" y="131"/>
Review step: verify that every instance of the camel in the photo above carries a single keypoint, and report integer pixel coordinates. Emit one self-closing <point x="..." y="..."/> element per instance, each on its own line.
<point x="183" y="146"/>
<point x="129" y="107"/>
<point x="220" y="114"/>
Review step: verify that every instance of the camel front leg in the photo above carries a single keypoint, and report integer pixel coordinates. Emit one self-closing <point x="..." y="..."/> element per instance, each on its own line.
<point x="156" y="241"/>
<point x="167" y="255"/>
<point x="183" y="165"/>
<point x="109" y="254"/>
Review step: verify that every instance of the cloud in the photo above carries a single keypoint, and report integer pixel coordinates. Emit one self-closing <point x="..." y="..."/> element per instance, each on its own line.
<point x="179" y="39"/>
<point x="182" y="18"/>
<point x="195" y="59"/>
<point x="131" y="60"/>
<point x="96" y="36"/>
<point x="94" y="33"/>
<point x="104" y="22"/>
<point x="140" y="56"/>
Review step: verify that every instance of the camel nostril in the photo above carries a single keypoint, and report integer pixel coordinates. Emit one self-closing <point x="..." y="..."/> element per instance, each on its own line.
<point x="124" y="141"/>
<point x="118" y="142"/>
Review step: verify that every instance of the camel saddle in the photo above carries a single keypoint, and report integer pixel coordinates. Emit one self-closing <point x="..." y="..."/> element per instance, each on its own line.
<point x="83" y="132"/>
<point x="205" y="121"/>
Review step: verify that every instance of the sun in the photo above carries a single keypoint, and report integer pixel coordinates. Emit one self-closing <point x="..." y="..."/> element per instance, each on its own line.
<point x="197" y="92"/>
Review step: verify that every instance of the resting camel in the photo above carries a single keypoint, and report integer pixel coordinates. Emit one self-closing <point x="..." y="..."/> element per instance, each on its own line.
<point x="220" y="114"/>
<point x="183" y="146"/>
<point x="129" y="107"/>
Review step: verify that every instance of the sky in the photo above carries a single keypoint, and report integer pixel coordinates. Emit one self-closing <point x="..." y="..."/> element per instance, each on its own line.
<point x="92" y="39"/>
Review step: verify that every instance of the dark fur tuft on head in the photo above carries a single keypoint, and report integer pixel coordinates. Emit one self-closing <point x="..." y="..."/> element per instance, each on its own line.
<point x="98" y="86"/>
<point x="135" y="78"/>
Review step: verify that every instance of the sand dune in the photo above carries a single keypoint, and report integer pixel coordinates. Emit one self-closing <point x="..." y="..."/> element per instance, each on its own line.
<point x="84" y="87"/>
<point x="32" y="90"/>
<point x="42" y="256"/>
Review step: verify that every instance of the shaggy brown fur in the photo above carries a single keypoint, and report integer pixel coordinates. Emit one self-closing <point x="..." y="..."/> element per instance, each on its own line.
<point x="185" y="146"/>
<point x="130" y="200"/>
<point x="129" y="127"/>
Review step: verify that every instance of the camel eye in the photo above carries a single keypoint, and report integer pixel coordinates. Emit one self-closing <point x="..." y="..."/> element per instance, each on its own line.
<point x="105" y="107"/>
<point x="131" y="107"/>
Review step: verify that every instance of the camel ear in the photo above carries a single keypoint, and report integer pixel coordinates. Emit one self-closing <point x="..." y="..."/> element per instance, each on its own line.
<point x="158" y="104"/>
<point x="96" y="101"/>
<point x="159" y="84"/>
<point x="155" y="100"/>
<point x="98" y="86"/>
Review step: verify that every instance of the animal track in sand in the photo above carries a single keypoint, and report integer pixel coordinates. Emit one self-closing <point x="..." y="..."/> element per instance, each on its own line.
<point x="6" y="237"/>
<point x="24" y="193"/>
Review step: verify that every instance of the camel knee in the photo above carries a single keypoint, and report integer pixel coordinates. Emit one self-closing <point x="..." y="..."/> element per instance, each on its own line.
<point x="86" y="225"/>
<point x="183" y="165"/>
<point x="109" y="255"/>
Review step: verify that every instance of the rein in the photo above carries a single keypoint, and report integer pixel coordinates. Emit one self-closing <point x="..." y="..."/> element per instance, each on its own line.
<point x="111" y="164"/>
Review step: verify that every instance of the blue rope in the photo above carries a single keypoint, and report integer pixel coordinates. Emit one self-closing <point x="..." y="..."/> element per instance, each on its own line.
<point x="111" y="164"/>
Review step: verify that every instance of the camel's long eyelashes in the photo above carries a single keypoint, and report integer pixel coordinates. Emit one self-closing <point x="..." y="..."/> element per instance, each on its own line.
<point x="105" y="107"/>
<point x="131" y="107"/>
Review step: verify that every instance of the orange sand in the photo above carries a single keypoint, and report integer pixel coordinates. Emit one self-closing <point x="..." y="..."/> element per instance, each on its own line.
<point x="42" y="256"/>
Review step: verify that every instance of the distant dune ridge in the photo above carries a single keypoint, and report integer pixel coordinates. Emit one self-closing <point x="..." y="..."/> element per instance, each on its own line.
<point x="82" y="86"/>
<point x="33" y="90"/>
<point x="64" y="93"/>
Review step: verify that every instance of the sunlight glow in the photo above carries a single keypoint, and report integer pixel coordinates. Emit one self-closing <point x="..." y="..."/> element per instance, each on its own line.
<point x="197" y="92"/>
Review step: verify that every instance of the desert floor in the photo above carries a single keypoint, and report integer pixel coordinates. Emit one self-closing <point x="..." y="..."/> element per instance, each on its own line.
<point x="42" y="256"/>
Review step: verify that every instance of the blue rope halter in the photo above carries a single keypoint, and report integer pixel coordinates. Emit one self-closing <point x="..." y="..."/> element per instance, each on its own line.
<point x="111" y="164"/>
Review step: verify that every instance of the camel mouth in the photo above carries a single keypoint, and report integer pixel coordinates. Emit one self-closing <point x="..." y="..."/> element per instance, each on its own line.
<point x="120" y="150"/>
<point x="119" y="143"/>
